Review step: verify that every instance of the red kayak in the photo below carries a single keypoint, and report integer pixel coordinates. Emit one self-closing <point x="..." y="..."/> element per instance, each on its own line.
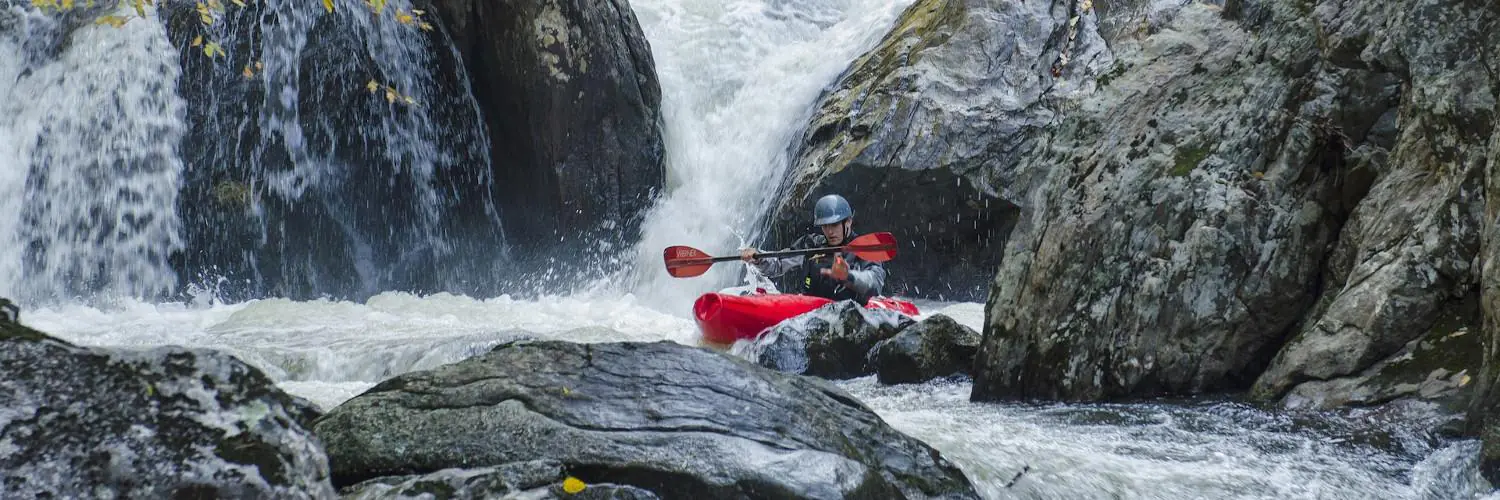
<point x="724" y="318"/>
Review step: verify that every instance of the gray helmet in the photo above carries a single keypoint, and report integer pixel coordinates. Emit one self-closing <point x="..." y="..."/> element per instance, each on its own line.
<point x="830" y="209"/>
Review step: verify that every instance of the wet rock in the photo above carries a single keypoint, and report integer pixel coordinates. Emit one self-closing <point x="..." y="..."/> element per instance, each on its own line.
<point x="935" y="347"/>
<point x="1440" y="366"/>
<point x="534" y="480"/>
<point x="679" y="421"/>
<point x="833" y="341"/>
<point x="160" y="423"/>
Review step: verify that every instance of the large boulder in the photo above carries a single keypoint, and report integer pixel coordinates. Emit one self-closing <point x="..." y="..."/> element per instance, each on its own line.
<point x="679" y="421"/>
<point x="923" y="134"/>
<point x="570" y="98"/>
<point x="1249" y="174"/>
<point x="300" y="180"/>
<point x="833" y="341"/>
<point x="935" y="347"/>
<point x="161" y="423"/>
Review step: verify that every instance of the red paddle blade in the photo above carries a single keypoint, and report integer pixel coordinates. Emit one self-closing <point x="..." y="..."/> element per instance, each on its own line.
<point x="686" y="262"/>
<point x="874" y="247"/>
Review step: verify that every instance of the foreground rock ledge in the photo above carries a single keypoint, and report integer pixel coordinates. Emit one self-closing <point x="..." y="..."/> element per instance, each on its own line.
<point x="679" y="421"/>
<point x="79" y="422"/>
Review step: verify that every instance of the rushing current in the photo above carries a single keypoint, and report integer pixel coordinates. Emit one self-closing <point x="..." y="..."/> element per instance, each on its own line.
<point x="739" y="78"/>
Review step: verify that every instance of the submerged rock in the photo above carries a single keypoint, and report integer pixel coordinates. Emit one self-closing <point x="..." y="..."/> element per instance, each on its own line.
<point x="679" y="421"/>
<point x="935" y="347"/>
<point x="833" y="341"/>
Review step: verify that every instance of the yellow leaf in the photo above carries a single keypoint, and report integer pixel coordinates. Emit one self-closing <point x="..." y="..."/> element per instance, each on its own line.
<point x="216" y="5"/>
<point x="390" y="96"/>
<point x="212" y="48"/>
<point x="1464" y="381"/>
<point x="67" y="4"/>
<point x="197" y="41"/>
<point x="115" y="21"/>
<point x="573" y="486"/>
<point x="140" y="8"/>
<point x="418" y="11"/>
<point x="403" y="18"/>
<point x="411" y="101"/>
<point x="379" y="5"/>
<point x="372" y="86"/>
<point x="248" y="72"/>
<point x="328" y="5"/>
<point x="238" y="3"/>
<point x="425" y="27"/>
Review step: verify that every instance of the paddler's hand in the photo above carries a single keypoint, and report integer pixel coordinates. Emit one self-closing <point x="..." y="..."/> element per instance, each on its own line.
<point x="748" y="254"/>
<point x="840" y="270"/>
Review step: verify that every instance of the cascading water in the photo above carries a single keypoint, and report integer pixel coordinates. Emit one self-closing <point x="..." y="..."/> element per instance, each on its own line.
<point x="319" y="183"/>
<point x="738" y="80"/>
<point x="89" y="172"/>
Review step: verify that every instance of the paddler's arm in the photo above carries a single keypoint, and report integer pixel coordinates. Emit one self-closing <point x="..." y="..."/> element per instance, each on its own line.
<point x="772" y="267"/>
<point x="866" y="278"/>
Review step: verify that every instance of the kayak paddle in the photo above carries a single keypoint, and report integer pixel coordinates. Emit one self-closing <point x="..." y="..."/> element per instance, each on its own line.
<point x="686" y="262"/>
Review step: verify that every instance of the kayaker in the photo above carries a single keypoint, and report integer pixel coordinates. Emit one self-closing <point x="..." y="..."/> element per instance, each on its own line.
<point x="839" y="276"/>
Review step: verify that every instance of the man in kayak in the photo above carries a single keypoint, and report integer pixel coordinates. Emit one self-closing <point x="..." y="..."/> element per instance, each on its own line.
<point x="832" y="276"/>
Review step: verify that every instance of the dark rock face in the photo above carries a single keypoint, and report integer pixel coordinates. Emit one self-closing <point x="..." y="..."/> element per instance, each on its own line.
<point x="678" y="421"/>
<point x="301" y="181"/>
<point x="1484" y="413"/>
<point x="570" y="98"/>
<point x="934" y="347"/>
<point x="924" y="134"/>
<point x="1266" y="193"/>
<point x="831" y="342"/>
<point x="164" y="423"/>
<point x="533" y="129"/>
